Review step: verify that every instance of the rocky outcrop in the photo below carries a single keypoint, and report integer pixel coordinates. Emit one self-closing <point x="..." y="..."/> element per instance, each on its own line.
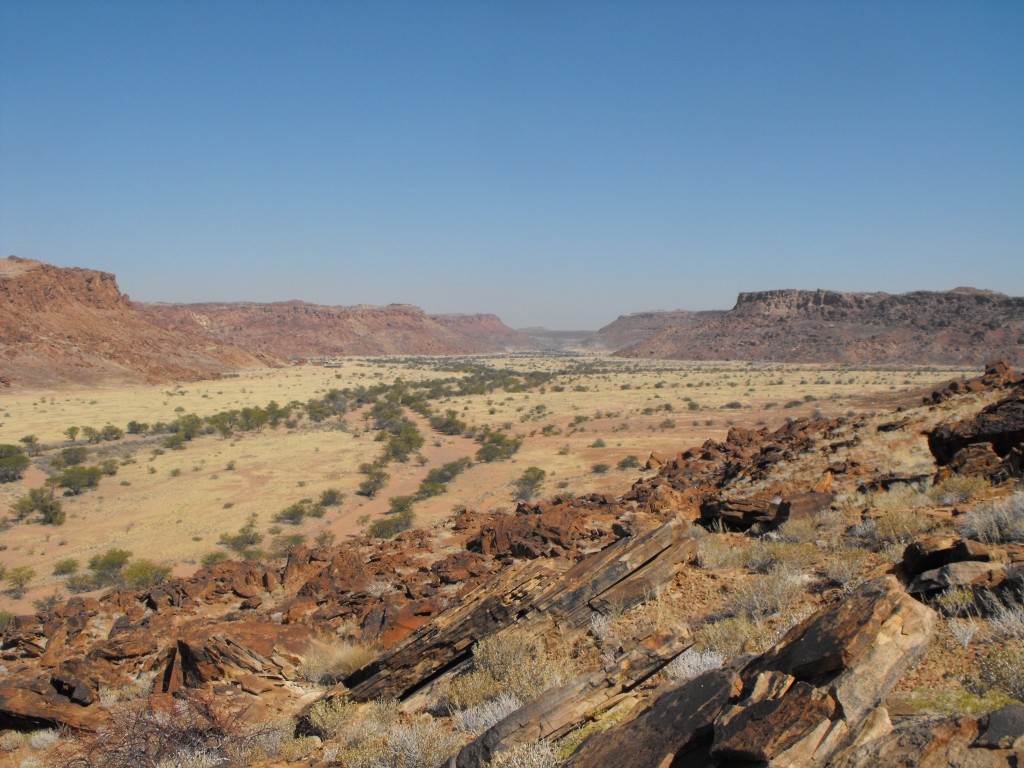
<point x="797" y="704"/>
<point x="960" y="327"/>
<point x="638" y="326"/>
<point x="990" y="444"/>
<point x="74" y="325"/>
<point x="297" y="329"/>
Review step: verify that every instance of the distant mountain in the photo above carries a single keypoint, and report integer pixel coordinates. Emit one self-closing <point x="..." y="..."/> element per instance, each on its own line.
<point x="74" y="325"/>
<point x="296" y="329"/>
<point x="634" y="328"/>
<point x="964" y="326"/>
<point x="556" y="341"/>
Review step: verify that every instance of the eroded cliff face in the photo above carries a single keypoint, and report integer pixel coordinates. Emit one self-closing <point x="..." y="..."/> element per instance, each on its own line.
<point x="634" y="328"/>
<point x="297" y="329"/>
<point x="960" y="327"/>
<point x="75" y="326"/>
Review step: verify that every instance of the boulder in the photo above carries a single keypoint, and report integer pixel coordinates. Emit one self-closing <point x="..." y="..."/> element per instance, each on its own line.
<point x="1001" y="425"/>
<point x="934" y="552"/>
<point x="1002" y="728"/>
<point x="962" y="574"/>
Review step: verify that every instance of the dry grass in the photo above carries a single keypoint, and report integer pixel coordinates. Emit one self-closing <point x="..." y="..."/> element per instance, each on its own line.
<point x="536" y="755"/>
<point x="846" y="567"/>
<point x="958" y="489"/>
<point x="692" y="663"/>
<point x="997" y="522"/>
<point x="509" y="663"/>
<point x="332" y="659"/>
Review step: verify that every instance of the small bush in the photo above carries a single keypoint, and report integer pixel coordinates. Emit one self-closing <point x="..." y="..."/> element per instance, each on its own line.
<point x="691" y="664"/>
<point x="143" y="574"/>
<point x="845" y="567"/>
<point x="526" y="755"/>
<point x="65" y="567"/>
<point x="477" y="719"/>
<point x="599" y="443"/>
<point x="210" y="558"/>
<point x="332" y="497"/>
<point x="957" y="489"/>
<point x="392" y="525"/>
<point x="1004" y="671"/>
<point x="760" y="598"/>
<point x="600" y="469"/>
<point x="996" y="523"/>
<point x="376" y="479"/>
<point x="74" y="455"/>
<point x="18" y="579"/>
<point x="107" y="568"/>
<point x="246" y="538"/>
<point x="630" y="462"/>
<point x="77" y="479"/>
<point x="527" y="485"/>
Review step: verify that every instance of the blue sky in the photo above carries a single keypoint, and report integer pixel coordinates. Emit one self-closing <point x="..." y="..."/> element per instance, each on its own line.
<point x="556" y="163"/>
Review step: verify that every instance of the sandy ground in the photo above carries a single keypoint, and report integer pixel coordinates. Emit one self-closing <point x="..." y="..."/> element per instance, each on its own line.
<point x="171" y="508"/>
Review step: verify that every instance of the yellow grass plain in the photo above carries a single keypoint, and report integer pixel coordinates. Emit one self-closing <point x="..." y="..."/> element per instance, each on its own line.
<point x="171" y="508"/>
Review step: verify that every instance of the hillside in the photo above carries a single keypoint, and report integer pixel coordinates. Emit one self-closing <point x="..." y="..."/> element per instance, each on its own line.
<point x="635" y="327"/>
<point x="297" y="329"/>
<point x="960" y="327"/>
<point x="74" y="325"/>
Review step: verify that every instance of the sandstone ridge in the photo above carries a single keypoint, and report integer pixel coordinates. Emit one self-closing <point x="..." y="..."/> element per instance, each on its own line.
<point x="964" y="326"/>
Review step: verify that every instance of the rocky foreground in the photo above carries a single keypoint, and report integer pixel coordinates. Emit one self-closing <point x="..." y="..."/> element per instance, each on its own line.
<point x="788" y="597"/>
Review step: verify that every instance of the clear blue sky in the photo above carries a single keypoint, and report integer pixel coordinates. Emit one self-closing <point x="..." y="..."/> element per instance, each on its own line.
<point x="554" y="163"/>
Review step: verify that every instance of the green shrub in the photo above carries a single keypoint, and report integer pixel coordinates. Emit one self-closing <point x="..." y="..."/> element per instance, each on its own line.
<point x="630" y="462"/>
<point x="449" y="424"/>
<point x="137" y="428"/>
<point x="528" y="483"/>
<point x="392" y="525"/>
<point x="331" y="497"/>
<point x="398" y="504"/>
<point x="74" y="480"/>
<point x="376" y="480"/>
<point x="217" y="556"/>
<point x="143" y="574"/>
<point x="281" y="544"/>
<point x="13" y="463"/>
<point x="497" y="446"/>
<point x="18" y="579"/>
<point x="65" y="567"/>
<point x="246" y="538"/>
<point x="957" y="489"/>
<point x="108" y="467"/>
<point x="600" y="469"/>
<point x="110" y="432"/>
<point x="599" y="443"/>
<point x="106" y="568"/>
<point x="75" y="455"/>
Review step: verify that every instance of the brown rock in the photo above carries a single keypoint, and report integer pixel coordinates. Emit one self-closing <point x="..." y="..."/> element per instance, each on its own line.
<point x="962" y="574"/>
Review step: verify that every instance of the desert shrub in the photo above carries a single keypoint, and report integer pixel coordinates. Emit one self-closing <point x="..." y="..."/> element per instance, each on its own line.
<point x="537" y="754"/>
<point x="731" y="636"/>
<point x="900" y="496"/>
<point x="107" y="568"/>
<point x="801" y="530"/>
<point x="295" y="513"/>
<point x="110" y="432"/>
<point x="332" y="659"/>
<point x="630" y="462"/>
<point x="65" y="567"/>
<point x="599" y="443"/>
<point x="81" y="583"/>
<point x="137" y="428"/>
<point x="996" y="523"/>
<point x="11" y="740"/>
<point x="715" y="551"/>
<point x="43" y="739"/>
<point x="511" y="663"/>
<point x="399" y="504"/>
<point x="143" y="574"/>
<point x="194" y="733"/>
<point x="735" y="404"/>
<point x="449" y="424"/>
<point x="325" y="539"/>
<point x="693" y="663"/>
<point x="74" y="455"/>
<point x="497" y="446"/>
<point x="895" y="529"/>
<point x="353" y="724"/>
<point x="392" y="525"/>
<point x="600" y="469"/>
<point x="957" y="489"/>
<point x="108" y="467"/>
<point x="282" y="544"/>
<point x="13" y="463"/>
<point x="246" y="538"/>
<point x="39" y="500"/>
<point x="18" y="579"/>
<point x="1004" y="671"/>
<point x="793" y="404"/>
<point x="477" y="719"/>
<point x="845" y="567"/>
<point x="376" y="479"/>
<point x="211" y="558"/>
<point x="77" y="479"/>
<point x="332" y="497"/>
<point x="955" y="601"/>
<point x="760" y="598"/>
<point x="528" y="483"/>
<point x="1006" y="618"/>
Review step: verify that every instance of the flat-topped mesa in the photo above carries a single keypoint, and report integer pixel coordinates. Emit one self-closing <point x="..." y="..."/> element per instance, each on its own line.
<point x="964" y="326"/>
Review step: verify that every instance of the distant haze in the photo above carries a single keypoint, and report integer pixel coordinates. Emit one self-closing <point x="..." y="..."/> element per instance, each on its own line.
<point x="556" y="164"/>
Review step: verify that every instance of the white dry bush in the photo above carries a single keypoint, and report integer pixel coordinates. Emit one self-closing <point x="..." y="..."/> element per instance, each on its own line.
<point x="479" y="718"/>
<point x="715" y="552"/>
<point x="423" y="743"/>
<point x="1006" y="620"/>
<point x="353" y="724"/>
<point x="693" y="663"/>
<point x="900" y="496"/>
<point x="996" y="523"/>
<point x="961" y="631"/>
<point x="957" y="489"/>
<point x="332" y="659"/>
<point x="894" y="529"/>
<point x="526" y="755"/>
<point x="600" y="626"/>
<point x="43" y="739"/>
<point x="109" y="696"/>
<point x="378" y="588"/>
